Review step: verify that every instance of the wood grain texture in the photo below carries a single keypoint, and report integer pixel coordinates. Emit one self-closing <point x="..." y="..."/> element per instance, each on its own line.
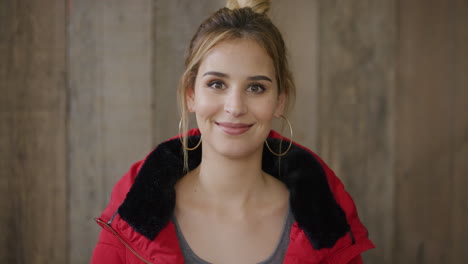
<point x="175" y="22"/>
<point x="357" y="81"/>
<point x="298" y="23"/>
<point x="33" y="132"/>
<point x="110" y="119"/>
<point x="431" y="133"/>
<point x="460" y="132"/>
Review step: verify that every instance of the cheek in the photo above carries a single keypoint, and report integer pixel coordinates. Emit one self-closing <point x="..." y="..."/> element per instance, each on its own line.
<point x="265" y="110"/>
<point x="205" y="105"/>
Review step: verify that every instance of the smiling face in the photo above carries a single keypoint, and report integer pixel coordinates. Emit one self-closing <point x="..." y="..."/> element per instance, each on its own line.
<point x="235" y="97"/>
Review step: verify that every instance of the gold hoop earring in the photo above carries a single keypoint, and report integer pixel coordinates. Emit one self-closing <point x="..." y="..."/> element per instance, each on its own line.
<point x="182" y="141"/>
<point x="290" y="140"/>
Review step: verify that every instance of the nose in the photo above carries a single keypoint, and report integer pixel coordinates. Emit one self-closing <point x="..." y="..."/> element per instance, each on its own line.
<point x="235" y="104"/>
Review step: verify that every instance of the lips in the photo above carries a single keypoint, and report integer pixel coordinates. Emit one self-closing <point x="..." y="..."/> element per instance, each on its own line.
<point x="233" y="128"/>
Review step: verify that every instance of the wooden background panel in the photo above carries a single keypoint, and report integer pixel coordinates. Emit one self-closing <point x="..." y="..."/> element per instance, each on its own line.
<point x="110" y="121"/>
<point x="356" y="71"/>
<point x="298" y="23"/>
<point x="460" y="132"/>
<point x="175" y="22"/>
<point x="32" y="132"/>
<point x="424" y="144"/>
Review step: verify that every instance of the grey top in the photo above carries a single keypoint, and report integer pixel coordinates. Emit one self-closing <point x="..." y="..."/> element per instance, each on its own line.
<point x="275" y="258"/>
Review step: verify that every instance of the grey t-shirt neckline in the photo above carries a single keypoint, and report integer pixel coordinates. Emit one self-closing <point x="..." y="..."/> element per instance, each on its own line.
<point x="276" y="257"/>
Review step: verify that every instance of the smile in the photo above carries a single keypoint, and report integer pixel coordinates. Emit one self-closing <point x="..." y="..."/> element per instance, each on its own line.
<point x="233" y="128"/>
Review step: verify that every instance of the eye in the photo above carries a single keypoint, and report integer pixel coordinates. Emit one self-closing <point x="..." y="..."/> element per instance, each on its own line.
<point x="217" y="85"/>
<point x="256" y="88"/>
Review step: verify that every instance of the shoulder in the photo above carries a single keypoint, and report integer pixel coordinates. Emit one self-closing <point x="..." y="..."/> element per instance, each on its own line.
<point x="327" y="222"/>
<point x="348" y="246"/>
<point x="108" y="249"/>
<point x="358" y="233"/>
<point x="121" y="189"/>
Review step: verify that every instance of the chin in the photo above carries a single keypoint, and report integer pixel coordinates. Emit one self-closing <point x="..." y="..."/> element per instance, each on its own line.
<point x="238" y="153"/>
<point x="236" y="149"/>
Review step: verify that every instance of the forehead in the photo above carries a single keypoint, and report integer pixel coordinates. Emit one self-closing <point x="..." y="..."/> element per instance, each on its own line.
<point x="238" y="57"/>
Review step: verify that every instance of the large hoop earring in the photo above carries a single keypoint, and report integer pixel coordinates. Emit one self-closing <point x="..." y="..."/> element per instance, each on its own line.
<point x="182" y="141"/>
<point x="290" y="140"/>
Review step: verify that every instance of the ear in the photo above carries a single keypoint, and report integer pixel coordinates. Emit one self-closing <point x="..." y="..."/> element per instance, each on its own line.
<point x="281" y="105"/>
<point x="190" y="99"/>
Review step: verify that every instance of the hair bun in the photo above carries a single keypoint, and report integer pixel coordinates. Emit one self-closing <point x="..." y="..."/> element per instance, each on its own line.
<point x="258" y="6"/>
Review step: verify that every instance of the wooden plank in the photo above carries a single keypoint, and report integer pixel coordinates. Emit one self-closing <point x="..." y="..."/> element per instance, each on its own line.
<point x="298" y="23"/>
<point x="32" y="132"/>
<point x="460" y="132"/>
<point x="356" y="71"/>
<point x="424" y="155"/>
<point x="110" y="120"/>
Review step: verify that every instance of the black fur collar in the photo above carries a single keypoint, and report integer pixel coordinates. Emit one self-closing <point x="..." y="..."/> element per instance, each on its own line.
<point x="150" y="202"/>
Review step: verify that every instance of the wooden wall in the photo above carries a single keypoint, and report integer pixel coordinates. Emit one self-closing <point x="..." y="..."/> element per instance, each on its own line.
<point x="88" y="87"/>
<point x="110" y="75"/>
<point x="33" y="163"/>
<point x="355" y="129"/>
<point x="300" y="29"/>
<point x="431" y="133"/>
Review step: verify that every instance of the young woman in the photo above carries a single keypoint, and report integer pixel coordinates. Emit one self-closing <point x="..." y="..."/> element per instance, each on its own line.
<point x="233" y="190"/>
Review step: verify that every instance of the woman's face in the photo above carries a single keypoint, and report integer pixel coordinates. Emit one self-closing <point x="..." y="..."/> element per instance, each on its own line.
<point x="235" y="98"/>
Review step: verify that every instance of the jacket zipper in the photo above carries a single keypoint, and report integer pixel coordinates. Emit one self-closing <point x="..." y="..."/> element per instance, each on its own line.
<point x="121" y="240"/>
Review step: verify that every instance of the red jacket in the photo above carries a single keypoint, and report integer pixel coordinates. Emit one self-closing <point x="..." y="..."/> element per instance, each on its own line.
<point x="137" y="225"/>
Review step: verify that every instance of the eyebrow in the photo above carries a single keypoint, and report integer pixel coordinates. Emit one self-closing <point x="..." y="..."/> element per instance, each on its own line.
<point x="250" y="78"/>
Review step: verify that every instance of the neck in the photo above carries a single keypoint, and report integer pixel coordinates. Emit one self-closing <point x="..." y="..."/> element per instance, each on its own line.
<point x="230" y="182"/>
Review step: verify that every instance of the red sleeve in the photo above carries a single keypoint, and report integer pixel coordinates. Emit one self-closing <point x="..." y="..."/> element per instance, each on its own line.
<point x="358" y="230"/>
<point x="356" y="260"/>
<point x="108" y="249"/>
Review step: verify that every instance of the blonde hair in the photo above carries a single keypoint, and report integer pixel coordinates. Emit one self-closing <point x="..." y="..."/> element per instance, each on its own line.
<point x="258" y="6"/>
<point x="240" y="19"/>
